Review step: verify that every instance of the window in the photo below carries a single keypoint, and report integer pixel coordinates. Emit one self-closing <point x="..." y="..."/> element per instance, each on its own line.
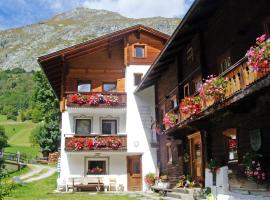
<point x="267" y="26"/>
<point x="109" y="87"/>
<point x="186" y="90"/>
<point x="96" y="166"/>
<point x="232" y="144"/>
<point x="139" y="51"/>
<point x="224" y="61"/>
<point x="84" y="86"/>
<point x="109" y="126"/>
<point x="83" y="126"/>
<point x="137" y="78"/>
<point x="190" y="55"/>
<point x="169" y="153"/>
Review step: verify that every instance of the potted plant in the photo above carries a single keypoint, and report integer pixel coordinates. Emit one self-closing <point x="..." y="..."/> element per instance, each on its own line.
<point x="76" y="144"/>
<point x="214" y="166"/>
<point x="149" y="179"/>
<point x="164" y="182"/>
<point x="213" y="88"/>
<point x="259" y="56"/>
<point x="169" y="120"/>
<point x="95" y="170"/>
<point x="78" y="99"/>
<point x="191" y="105"/>
<point x="253" y="167"/>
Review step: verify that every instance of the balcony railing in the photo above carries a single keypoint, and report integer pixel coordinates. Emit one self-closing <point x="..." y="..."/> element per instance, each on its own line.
<point x="96" y="99"/>
<point x="95" y="142"/>
<point x="240" y="76"/>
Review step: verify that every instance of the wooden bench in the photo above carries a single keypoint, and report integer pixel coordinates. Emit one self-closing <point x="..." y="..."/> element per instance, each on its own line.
<point x="163" y="191"/>
<point x="85" y="184"/>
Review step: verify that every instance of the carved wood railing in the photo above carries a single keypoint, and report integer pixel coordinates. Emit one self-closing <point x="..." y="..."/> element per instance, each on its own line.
<point x="240" y="76"/>
<point x="120" y="96"/>
<point x="107" y="140"/>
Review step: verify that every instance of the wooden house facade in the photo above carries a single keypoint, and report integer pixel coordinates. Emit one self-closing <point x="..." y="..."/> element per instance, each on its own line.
<point x="213" y="39"/>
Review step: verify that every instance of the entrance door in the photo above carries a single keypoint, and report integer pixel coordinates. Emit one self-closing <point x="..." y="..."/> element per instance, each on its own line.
<point x="134" y="169"/>
<point x="196" y="155"/>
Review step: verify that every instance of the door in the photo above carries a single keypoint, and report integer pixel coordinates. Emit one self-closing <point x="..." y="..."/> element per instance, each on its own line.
<point x="134" y="169"/>
<point x="196" y="155"/>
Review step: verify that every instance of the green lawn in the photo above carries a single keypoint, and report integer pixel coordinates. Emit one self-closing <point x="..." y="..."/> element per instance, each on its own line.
<point x="19" y="138"/>
<point x="44" y="190"/>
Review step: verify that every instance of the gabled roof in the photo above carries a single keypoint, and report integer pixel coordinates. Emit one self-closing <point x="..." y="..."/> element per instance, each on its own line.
<point x="53" y="64"/>
<point x="194" y="20"/>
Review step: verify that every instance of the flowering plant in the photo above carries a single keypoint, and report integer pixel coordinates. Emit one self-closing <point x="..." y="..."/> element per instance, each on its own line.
<point x="185" y="181"/>
<point x="93" y="100"/>
<point x="113" y="142"/>
<point x="111" y="100"/>
<point x="259" y="55"/>
<point x="100" y="142"/>
<point x="170" y="120"/>
<point x="213" y="165"/>
<point x="89" y="143"/>
<point x="191" y="105"/>
<point x="78" y="99"/>
<point x="253" y="168"/>
<point x="213" y="87"/>
<point x="149" y="179"/>
<point x="95" y="170"/>
<point x="232" y="143"/>
<point x="164" y="178"/>
<point x="76" y="144"/>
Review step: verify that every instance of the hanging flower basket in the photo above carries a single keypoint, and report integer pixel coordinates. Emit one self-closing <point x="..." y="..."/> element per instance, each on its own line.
<point x="213" y="87"/>
<point x="259" y="55"/>
<point x="191" y="105"/>
<point x="170" y="120"/>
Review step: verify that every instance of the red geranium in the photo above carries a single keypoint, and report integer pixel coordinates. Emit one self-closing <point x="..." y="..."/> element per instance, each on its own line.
<point x="89" y="143"/>
<point x="93" y="100"/>
<point x="191" y="105"/>
<point x="76" y="144"/>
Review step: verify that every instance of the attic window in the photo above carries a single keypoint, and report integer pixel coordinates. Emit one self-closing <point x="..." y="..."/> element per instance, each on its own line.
<point x="139" y="51"/>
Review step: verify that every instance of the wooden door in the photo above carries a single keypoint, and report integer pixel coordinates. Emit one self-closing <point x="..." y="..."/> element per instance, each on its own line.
<point x="196" y="155"/>
<point x="134" y="169"/>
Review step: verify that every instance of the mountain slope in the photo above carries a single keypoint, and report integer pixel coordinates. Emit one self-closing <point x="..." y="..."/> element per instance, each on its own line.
<point x="20" y="47"/>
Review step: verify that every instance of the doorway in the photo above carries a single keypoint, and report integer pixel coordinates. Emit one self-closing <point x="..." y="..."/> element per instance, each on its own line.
<point x="134" y="169"/>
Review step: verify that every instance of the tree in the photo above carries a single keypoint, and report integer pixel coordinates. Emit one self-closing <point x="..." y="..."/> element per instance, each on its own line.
<point x="48" y="137"/>
<point x="5" y="187"/>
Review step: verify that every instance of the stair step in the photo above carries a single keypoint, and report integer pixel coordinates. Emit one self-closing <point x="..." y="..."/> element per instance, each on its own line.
<point x="174" y="195"/>
<point x="179" y="195"/>
<point x="169" y="198"/>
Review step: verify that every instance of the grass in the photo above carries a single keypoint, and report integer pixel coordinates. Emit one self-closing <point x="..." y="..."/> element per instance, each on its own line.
<point x="19" y="138"/>
<point x="44" y="190"/>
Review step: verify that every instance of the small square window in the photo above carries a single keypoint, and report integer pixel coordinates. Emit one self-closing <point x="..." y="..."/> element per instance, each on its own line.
<point x="109" y="126"/>
<point x="83" y="126"/>
<point x="109" y="87"/>
<point x="84" y="86"/>
<point x="137" y="79"/>
<point x="139" y="51"/>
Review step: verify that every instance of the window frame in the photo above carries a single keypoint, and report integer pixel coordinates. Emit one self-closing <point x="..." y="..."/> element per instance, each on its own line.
<point x="169" y="153"/>
<point x="115" y="83"/>
<point x="184" y="88"/>
<point x="84" y="82"/>
<point x="134" y="76"/>
<point x="83" y="118"/>
<point x="109" y="118"/>
<point x="107" y="164"/>
<point x="227" y="134"/>
<point x="144" y="50"/>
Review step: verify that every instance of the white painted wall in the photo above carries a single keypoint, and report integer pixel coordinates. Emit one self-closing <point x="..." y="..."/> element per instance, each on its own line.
<point x="140" y="115"/>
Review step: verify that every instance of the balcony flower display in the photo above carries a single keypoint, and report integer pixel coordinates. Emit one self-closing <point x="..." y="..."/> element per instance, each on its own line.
<point x="191" y="105"/>
<point x="213" y="87"/>
<point x="76" y="144"/>
<point x="78" y="99"/>
<point x="253" y="168"/>
<point x="259" y="55"/>
<point x="95" y="170"/>
<point x="169" y="120"/>
<point x="89" y="143"/>
<point x="111" y="100"/>
<point x="113" y="142"/>
<point x="93" y="100"/>
<point x="100" y="142"/>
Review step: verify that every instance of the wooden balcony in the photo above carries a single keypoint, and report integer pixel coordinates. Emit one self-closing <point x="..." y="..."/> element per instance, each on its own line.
<point x="240" y="78"/>
<point x="96" y="99"/>
<point x="95" y="142"/>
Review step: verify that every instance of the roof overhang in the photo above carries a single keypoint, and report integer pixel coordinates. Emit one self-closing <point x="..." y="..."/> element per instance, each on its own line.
<point x="194" y="20"/>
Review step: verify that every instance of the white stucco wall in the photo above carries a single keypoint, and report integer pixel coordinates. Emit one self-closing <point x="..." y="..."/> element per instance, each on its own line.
<point x="140" y="115"/>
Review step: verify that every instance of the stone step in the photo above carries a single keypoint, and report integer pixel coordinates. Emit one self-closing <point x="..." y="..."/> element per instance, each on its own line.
<point x="175" y="195"/>
<point x="169" y="198"/>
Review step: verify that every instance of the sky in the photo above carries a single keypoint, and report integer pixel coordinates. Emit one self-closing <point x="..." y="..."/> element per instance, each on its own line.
<point x="16" y="13"/>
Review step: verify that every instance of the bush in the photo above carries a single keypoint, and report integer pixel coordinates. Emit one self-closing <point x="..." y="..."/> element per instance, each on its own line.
<point x="11" y="116"/>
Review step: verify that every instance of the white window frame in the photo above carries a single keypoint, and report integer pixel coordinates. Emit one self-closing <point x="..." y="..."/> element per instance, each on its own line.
<point x="106" y="159"/>
<point x="75" y="123"/>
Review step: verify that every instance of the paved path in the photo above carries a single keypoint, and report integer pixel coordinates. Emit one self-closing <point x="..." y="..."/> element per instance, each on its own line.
<point x="37" y="172"/>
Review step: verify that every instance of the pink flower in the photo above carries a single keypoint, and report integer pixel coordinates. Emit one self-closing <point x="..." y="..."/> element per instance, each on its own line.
<point x="261" y="38"/>
<point x="253" y="162"/>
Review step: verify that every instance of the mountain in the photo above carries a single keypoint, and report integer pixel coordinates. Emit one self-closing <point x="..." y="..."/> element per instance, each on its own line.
<point x="20" y="47"/>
